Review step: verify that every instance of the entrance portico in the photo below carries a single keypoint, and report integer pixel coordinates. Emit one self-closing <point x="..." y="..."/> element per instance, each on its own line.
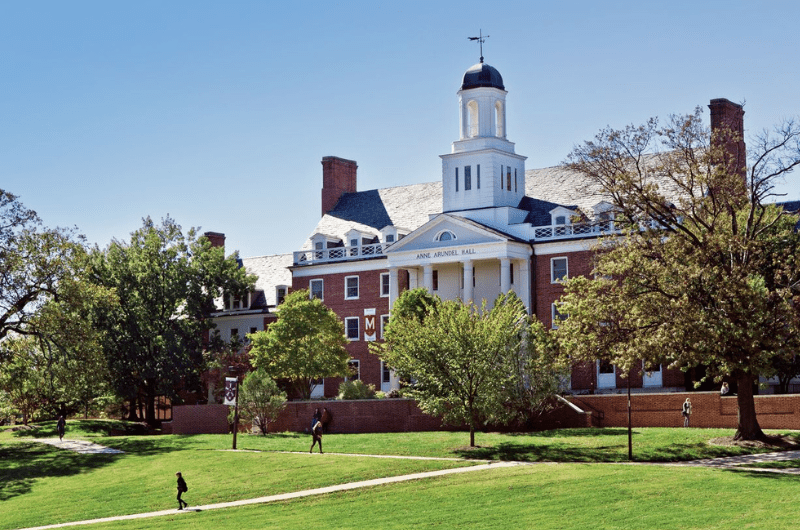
<point x="456" y="258"/>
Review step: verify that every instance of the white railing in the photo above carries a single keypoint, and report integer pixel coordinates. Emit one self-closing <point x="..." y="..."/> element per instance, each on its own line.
<point x="573" y="230"/>
<point x="327" y="255"/>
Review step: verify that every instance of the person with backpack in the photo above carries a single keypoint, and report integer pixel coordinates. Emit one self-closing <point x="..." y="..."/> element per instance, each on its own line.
<point x="61" y="427"/>
<point x="182" y="488"/>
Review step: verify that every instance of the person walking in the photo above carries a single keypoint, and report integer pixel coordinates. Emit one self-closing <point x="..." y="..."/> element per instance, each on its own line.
<point x="316" y="436"/>
<point x="182" y="488"/>
<point x="686" y="411"/>
<point x="61" y="428"/>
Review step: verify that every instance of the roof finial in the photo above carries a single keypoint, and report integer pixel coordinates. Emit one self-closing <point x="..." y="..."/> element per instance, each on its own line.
<point x="480" y="39"/>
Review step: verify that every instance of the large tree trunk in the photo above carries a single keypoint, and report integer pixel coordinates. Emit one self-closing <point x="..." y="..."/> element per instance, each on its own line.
<point x="747" y="428"/>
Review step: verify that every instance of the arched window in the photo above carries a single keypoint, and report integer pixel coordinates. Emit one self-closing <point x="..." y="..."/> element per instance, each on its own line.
<point x="472" y="110"/>
<point x="500" y="130"/>
<point x="445" y="235"/>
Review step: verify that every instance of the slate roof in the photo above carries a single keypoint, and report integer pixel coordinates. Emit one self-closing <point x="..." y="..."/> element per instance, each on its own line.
<point x="271" y="271"/>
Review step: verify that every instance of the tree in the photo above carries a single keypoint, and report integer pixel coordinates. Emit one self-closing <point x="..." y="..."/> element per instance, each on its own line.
<point x="260" y="399"/>
<point x="33" y="262"/>
<point x="22" y="378"/>
<point x="469" y="365"/>
<point x="166" y="283"/>
<point x="703" y="271"/>
<point x="306" y="343"/>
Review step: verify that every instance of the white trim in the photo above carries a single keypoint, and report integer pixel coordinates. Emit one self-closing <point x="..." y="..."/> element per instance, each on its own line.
<point x="608" y="380"/>
<point x="311" y="291"/>
<point x="553" y="319"/>
<point x="340" y="267"/>
<point x="388" y="284"/>
<point x="552" y="269"/>
<point x="347" y="288"/>
<point x="347" y="329"/>
<point x="357" y="363"/>
<point x="561" y="247"/>
<point x="384" y="321"/>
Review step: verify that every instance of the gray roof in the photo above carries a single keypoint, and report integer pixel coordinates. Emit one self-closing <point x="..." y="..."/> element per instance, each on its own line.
<point x="271" y="271"/>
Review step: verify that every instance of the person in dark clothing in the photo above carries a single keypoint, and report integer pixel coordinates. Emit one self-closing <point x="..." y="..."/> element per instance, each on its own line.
<point x="326" y="419"/>
<point x="182" y="488"/>
<point x="61" y="427"/>
<point x="316" y="436"/>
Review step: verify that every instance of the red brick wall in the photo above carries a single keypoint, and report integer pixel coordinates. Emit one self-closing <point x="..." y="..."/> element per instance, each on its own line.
<point x="545" y="292"/>
<point x="709" y="409"/>
<point x="367" y="415"/>
<point x="338" y="177"/>
<point x="197" y="419"/>
<point x="369" y="297"/>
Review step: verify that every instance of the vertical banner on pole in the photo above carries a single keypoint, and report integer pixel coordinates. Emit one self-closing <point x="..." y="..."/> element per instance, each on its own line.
<point x="369" y="325"/>
<point x="230" y="391"/>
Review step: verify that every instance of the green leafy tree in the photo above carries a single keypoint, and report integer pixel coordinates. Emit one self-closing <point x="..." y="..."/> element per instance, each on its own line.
<point x="166" y="283"/>
<point x="306" y="343"/>
<point x="260" y="399"/>
<point x="34" y="261"/>
<point x="356" y="389"/>
<point x="703" y="272"/>
<point x="469" y="365"/>
<point x="22" y="377"/>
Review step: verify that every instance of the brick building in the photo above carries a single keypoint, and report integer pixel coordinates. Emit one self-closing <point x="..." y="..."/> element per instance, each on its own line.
<point x="487" y="226"/>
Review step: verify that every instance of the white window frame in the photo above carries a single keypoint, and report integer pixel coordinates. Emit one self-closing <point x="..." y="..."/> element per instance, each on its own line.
<point x="555" y="316"/>
<point x="321" y="289"/>
<point x="439" y="235"/>
<point x="357" y="320"/>
<point x="384" y="372"/>
<point x="384" y="321"/>
<point x="347" y="288"/>
<point x="388" y="284"/>
<point x="357" y="364"/>
<point x="553" y="270"/>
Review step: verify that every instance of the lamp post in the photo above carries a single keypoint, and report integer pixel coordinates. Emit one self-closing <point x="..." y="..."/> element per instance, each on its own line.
<point x="233" y="371"/>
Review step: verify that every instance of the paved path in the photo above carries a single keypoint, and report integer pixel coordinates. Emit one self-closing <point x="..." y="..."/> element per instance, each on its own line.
<point x="79" y="446"/>
<point x="88" y="447"/>
<point x="287" y="496"/>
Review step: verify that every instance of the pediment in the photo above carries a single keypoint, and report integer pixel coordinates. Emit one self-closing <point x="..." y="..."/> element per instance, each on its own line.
<point x="447" y="231"/>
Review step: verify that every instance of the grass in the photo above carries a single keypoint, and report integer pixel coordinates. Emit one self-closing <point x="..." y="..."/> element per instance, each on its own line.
<point x="64" y="486"/>
<point x="784" y="464"/>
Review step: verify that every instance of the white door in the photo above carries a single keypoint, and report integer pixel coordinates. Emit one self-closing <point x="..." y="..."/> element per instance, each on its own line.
<point x="652" y="375"/>
<point x="606" y="375"/>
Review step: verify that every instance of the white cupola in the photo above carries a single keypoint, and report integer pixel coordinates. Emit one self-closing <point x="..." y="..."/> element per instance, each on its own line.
<point x="482" y="170"/>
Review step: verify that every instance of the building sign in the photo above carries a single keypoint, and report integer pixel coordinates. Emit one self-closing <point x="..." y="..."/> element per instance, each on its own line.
<point x="446" y="253"/>
<point x="369" y="325"/>
<point x="230" y="391"/>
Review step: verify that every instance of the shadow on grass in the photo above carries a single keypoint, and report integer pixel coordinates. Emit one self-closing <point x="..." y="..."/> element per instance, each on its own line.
<point x="22" y="463"/>
<point x="91" y="428"/>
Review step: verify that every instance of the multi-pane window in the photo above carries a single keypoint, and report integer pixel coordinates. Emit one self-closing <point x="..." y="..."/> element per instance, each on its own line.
<point x="354" y="366"/>
<point x="280" y="294"/>
<point x="351" y="328"/>
<point x="386" y="374"/>
<point x="315" y="288"/>
<point x="351" y="287"/>
<point x="385" y="284"/>
<point x="467" y="178"/>
<point x="384" y="321"/>
<point x="558" y="269"/>
<point x="556" y="316"/>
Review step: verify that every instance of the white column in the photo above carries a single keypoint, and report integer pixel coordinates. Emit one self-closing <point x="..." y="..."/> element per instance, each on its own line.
<point x="524" y="283"/>
<point x="394" y="287"/>
<point x="468" y="271"/>
<point x="505" y="275"/>
<point x="427" y="277"/>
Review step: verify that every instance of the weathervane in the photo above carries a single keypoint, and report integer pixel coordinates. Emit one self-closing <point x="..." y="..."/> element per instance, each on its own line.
<point x="480" y="39"/>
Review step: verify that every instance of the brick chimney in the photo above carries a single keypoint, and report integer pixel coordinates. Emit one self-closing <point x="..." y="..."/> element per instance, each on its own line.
<point x="217" y="239"/>
<point x="727" y="121"/>
<point x="338" y="178"/>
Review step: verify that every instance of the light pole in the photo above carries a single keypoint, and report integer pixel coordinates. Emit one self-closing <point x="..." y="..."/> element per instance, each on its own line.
<point x="233" y="371"/>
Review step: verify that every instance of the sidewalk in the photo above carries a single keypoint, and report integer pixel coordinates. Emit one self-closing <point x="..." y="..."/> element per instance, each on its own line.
<point x="79" y="446"/>
<point x="286" y="496"/>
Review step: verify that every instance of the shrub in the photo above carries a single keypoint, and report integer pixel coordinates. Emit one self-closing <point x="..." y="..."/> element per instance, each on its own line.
<point x="356" y="390"/>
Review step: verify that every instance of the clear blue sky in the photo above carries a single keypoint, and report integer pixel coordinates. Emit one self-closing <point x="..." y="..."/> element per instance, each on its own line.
<point x="218" y="113"/>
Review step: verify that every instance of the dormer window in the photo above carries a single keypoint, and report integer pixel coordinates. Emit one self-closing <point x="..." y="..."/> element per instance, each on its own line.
<point x="280" y="294"/>
<point x="235" y="302"/>
<point x="561" y="220"/>
<point x="390" y="238"/>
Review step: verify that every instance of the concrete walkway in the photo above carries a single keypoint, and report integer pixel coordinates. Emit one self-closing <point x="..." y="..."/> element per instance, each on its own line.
<point x="88" y="447"/>
<point x="286" y="496"/>
<point x="79" y="446"/>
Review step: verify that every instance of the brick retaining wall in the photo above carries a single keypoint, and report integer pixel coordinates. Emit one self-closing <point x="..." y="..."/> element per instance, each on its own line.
<point x="709" y="409"/>
<point x="197" y="419"/>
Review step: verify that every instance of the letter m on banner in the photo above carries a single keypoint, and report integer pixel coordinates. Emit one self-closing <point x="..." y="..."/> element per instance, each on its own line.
<point x="369" y="325"/>
<point x="230" y="391"/>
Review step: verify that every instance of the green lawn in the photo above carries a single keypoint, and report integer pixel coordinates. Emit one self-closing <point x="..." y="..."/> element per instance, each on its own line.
<point x="41" y="484"/>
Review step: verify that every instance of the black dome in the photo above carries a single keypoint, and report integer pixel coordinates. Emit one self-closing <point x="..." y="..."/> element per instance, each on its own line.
<point x="482" y="75"/>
